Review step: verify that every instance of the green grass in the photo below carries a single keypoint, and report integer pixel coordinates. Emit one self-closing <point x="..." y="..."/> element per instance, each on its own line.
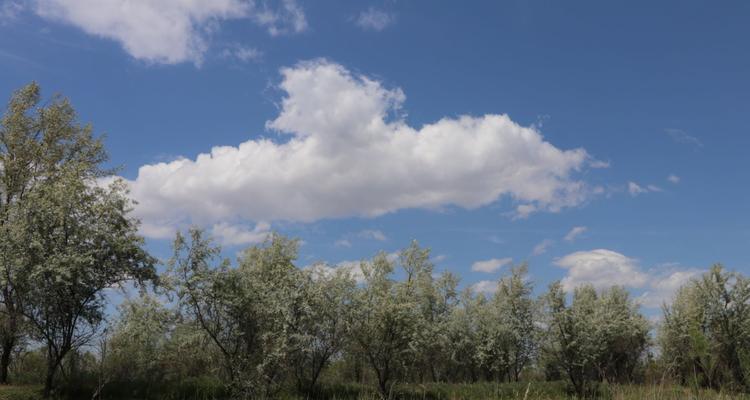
<point x="521" y="391"/>
<point x="482" y="391"/>
<point x="13" y="392"/>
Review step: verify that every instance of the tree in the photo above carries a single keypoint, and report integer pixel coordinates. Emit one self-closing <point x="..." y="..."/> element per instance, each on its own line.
<point x="597" y="337"/>
<point x="37" y="145"/>
<point x="138" y="343"/>
<point x="80" y="241"/>
<point x="706" y="330"/>
<point x="324" y="329"/>
<point x="385" y="320"/>
<point x="516" y="308"/>
<point x="252" y="313"/>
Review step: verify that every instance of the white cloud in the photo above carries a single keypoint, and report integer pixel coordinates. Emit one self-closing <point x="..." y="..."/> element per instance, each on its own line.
<point x="9" y="11"/>
<point x="542" y="247"/>
<point x="663" y="285"/>
<point x="242" y="53"/>
<point x="680" y="136"/>
<point x="605" y="268"/>
<point x="635" y="189"/>
<point x="373" y="235"/>
<point x="673" y="179"/>
<point x="574" y="233"/>
<point x="601" y="268"/>
<point x="290" y="18"/>
<point x="235" y="235"/>
<point x="374" y="19"/>
<point x="342" y="243"/>
<point x="166" y="31"/>
<point x="487" y="287"/>
<point x="354" y="268"/>
<point x="599" y="164"/>
<point x="490" y="265"/>
<point x="496" y="239"/>
<point x="349" y="154"/>
<point x="654" y="188"/>
<point x="439" y="258"/>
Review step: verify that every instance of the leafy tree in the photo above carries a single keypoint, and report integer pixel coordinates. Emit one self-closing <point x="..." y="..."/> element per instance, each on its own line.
<point x="516" y="308"/>
<point x="37" y="145"/>
<point x="595" y="338"/>
<point x="324" y="329"/>
<point x="80" y="242"/>
<point x="138" y="344"/>
<point x="252" y="313"/>
<point x="705" y="335"/>
<point x="385" y="320"/>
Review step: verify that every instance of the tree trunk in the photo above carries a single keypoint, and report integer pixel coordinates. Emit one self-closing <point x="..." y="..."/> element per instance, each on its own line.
<point x="50" y="379"/>
<point x="7" y="349"/>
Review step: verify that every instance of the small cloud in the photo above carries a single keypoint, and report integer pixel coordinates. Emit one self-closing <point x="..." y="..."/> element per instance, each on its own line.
<point x="680" y="136"/>
<point x="673" y="179"/>
<point x="524" y="210"/>
<point x="574" y="233"/>
<point x="353" y="268"/>
<point x="542" y="247"/>
<point x="342" y="243"/>
<point x="374" y="19"/>
<point x="635" y="189"/>
<point x="664" y="284"/>
<point x="439" y="258"/>
<point x="287" y="19"/>
<point x="491" y="265"/>
<point x="488" y="287"/>
<point x="9" y="11"/>
<point x="242" y="53"/>
<point x="601" y="268"/>
<point x="235" y="235"/>
<point x="373" y="235"/>
<point x="599" y="164"/>
<point x="496" y="239"/>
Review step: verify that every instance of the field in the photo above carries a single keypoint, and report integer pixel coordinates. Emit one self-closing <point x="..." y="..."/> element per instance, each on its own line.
<point x="501" y="391"/>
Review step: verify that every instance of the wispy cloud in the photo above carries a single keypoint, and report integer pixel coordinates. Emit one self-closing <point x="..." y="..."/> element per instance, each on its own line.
<point x="682" y="137"/>
<point x="635" y="189"/>
<point x="373" y="234"/>
<point x="169" y="31"/>
<point x="575" y="233"/>
<point x="491" y="265"/>
<point x="9" y="11"/>
<point x="374" y="19"/>
<point x="673" y="179"/>
<point x="241" y="53"/>
<point x="542" y="247"/>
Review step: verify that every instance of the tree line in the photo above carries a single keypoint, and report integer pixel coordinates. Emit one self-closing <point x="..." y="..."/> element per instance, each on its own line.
<point x="264" y="324"/>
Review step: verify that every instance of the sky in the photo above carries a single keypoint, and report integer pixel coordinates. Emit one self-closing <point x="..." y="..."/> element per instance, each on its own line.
<point x="601" y="142"/>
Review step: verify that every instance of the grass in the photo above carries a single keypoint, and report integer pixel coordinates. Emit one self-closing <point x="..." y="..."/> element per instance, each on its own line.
<point x="483" y="391"/>
<point x="522" y="391"/>
<point x="14" y="392"/>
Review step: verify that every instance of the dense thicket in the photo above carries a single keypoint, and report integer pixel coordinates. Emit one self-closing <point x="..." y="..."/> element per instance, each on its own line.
<point x="266" y="325"/>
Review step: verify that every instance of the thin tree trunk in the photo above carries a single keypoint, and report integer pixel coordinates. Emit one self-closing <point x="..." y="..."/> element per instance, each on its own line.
<point x="7" y="349"/>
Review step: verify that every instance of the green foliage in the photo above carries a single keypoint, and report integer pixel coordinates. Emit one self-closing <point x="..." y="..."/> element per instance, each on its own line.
<point x="596" y="338"/>
<point x="705" y="336"/>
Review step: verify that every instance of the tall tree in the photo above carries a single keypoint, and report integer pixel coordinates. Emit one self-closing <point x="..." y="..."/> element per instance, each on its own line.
<point x="80" y="241"/>
<point x="385" y="320"/>
<point x="252" y="313"/>
<point x="706" y="330"/>
<point x="324" y="328"/>
<point x="38" y="145"/>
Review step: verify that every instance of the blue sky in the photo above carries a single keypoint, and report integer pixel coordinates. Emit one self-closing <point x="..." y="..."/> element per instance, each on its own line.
<point x="487" y="131"/>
